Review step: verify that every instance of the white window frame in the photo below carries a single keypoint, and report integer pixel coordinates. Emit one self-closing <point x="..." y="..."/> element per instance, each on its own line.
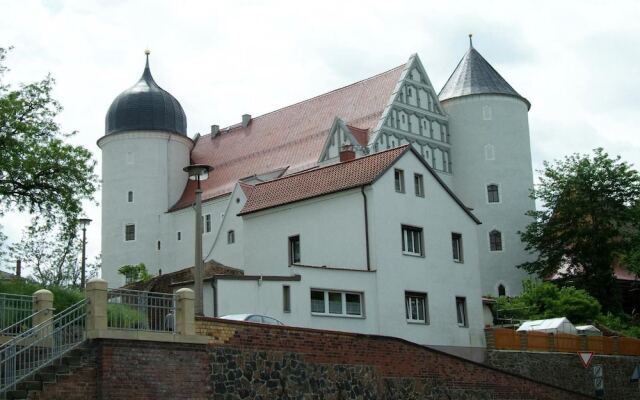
<point x="486" y="193"/>
<point x="405" y="229"/>
<point x="408" y="307"/>
<point x="465" y="312"/>
<point x="291" y="250"/>
<point x="343" y="300"/>
<point x="501" y="240"/>
<point x="457" y="236"/>
<point x="398" y="180"/>
<point x="418" y="183"/>
<point x="134" y="231"/>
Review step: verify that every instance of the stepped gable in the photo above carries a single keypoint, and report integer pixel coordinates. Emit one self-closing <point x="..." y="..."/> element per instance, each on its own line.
<point x="289" y="137"/>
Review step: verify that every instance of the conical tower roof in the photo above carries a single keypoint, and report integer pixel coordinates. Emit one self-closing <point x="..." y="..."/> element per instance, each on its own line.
<point x="146" y="107"/>
<point x="474" y="75"/>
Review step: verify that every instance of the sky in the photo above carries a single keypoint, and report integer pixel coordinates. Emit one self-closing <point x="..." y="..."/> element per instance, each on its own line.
<point x="577" y="62"/>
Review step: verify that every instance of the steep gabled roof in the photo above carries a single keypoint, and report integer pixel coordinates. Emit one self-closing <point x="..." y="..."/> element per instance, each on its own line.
<point x="292" y="136"/>
<point x="332" y="179"/>
<point x="474" y="75"/>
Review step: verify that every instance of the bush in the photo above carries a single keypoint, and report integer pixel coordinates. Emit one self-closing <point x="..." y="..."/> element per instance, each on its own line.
<point x="125" y="317"/>
<point x="62" y="297"/>
<point x="620" y="323"/>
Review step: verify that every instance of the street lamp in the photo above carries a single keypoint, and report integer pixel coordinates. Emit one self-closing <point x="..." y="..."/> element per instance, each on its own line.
<point x="198" y="172"/>
<point x="84" y="222"/>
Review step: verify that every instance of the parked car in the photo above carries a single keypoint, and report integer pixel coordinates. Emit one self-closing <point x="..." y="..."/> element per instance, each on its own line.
<point x="260" y="319"/>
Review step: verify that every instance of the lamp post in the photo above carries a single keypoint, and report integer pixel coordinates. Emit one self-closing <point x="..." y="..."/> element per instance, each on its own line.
<point x="198" y="172"/>
<point x="84" y="222"/>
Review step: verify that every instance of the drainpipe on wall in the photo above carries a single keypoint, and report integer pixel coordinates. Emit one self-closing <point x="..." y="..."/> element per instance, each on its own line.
<point x="214" y="288"/>
<point x="366" y="228"/>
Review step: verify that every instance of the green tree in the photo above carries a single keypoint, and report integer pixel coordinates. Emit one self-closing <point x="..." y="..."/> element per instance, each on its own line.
<point x="39" y="172"/>
<point x="541" y="300"/>
<point x="135" y="272"/>
<point x="587" y="222"/>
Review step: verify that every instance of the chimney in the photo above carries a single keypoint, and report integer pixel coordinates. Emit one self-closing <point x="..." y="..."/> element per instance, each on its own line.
<point x="214" y="130"/>
<point x="246" y="118"/>
<point x="347" y="153"/>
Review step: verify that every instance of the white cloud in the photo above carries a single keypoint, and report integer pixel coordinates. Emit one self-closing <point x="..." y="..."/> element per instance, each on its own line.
<point x="576" y="61"/>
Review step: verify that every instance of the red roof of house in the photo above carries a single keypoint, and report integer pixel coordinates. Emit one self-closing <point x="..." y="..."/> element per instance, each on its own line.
<point x="361" y="135"/>
<point x="289" y="137"/>
<point x="321" y="181"/>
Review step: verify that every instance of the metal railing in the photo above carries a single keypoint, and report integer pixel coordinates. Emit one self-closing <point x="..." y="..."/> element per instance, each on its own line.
<point x="15" y="308"/>
<point x="38" y="347"/>
<point x="22" y="325"/>
<point x="141" y="311"/>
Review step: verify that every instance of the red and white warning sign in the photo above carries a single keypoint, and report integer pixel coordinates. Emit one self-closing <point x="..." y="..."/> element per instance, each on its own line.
<point x="586" y="357"/>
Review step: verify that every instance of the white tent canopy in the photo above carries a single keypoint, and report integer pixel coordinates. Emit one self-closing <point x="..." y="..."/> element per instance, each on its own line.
<point x="552" y="325"/>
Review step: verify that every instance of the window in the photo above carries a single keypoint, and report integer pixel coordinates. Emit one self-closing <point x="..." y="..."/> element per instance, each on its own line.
<point x="416" y="307"/>
<point x="286" y="298"/>
<point x="502" y="291"/>
<point x="399" y="179"/>
<point x="294" y="249"/>
<point x="130" y="197"/>
<point x="493" y="196"/>
<point x="207" y="223"/>
<point x="418" y="182"/>
<point x="486" y="113"/>
<point x="456" y="245"/>
<point x="489" y="152"/>
<point x="495" y="240"/>
<point x="231" y="237"/>
<point x="336" y="303"/>
<point x="412" y="240"/>
<point x="461" y="311"/>
<point x="179" y="235"/>
<point x="129" y="232"/>
<point x="158" y="245"/>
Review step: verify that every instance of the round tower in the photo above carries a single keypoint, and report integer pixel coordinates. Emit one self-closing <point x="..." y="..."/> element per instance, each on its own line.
<point x="492" y="170"/>
<point x="144" y="149"/>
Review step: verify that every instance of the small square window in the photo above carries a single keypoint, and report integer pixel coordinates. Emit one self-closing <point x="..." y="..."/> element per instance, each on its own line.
<point x="129" y="232"/>
<point x="317" y="301"/>
<point x="294" y="249"/>
<point x="231" y="237"/>
<point x="286" y="298"/>
<point x="207" y="223"/>
<point x="456" y="245"/>
<point x="461" y="311"/>
<point x="399" y="180"/>
<point x="416" y="307"/>
<point x="418" y="182"/>
<point x="412" y="243"/>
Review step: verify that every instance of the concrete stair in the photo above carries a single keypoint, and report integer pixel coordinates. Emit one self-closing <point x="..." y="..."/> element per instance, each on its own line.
<point x="50" y="374"/>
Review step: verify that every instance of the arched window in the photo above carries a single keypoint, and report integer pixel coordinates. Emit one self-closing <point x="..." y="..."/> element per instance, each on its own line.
<point x="501" y="290"/>
<point x="495" y="240"/>
<point x="231" y="237"/>
<point x="493" y="195"/>
<point x="130" y="196"/>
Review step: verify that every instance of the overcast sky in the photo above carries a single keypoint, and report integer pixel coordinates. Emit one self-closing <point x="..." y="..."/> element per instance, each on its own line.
<point x="576" y="61"/>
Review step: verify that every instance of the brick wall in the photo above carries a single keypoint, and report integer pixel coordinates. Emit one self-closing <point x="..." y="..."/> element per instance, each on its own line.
<point x="79" y="385"/>
<point x="251" y="361"/>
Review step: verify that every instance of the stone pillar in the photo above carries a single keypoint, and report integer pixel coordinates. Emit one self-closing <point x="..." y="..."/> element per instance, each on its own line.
<point x="490" y="338"/>
<point x="43" y="305"/>
<point x="185" y="312"/>
<point x="96" y="293"/>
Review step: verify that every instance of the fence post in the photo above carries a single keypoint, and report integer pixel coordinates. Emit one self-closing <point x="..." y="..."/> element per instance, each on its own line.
<point x="43" y="306"/>
<point x="96" y="293"/>
<point x="185" y="312"/>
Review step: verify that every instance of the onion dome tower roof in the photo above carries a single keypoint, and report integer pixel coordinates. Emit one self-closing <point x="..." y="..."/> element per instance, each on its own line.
<point x="474" y="75"/>
<point x="146" y="107"/>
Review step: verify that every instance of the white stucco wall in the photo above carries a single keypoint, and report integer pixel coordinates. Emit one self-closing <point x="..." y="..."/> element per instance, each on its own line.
<point x="504" y="125"/>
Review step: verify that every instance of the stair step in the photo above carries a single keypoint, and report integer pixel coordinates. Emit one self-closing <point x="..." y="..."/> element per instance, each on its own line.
<point x="30" y="385"/>
<point x="17" y="394"/>
<point x="46" y="376"/>
<point x="72" y="360"/>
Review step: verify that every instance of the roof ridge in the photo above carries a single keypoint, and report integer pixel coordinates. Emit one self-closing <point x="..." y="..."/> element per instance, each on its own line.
<point x="234" y="126"/>
<point x="320" y="168"/>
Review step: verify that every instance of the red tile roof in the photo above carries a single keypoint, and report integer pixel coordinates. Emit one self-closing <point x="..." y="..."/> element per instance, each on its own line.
<point x="321" y="181"/>
<point x="292" y="136"/>
<point x="361" y="135"/>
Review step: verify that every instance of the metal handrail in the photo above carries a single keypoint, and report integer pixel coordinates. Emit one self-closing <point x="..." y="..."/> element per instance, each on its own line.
<point x="141" y="310"/>
<point x="14" y="329"/>
<point x="38" y="347"/>
<point x="12" y="305"/>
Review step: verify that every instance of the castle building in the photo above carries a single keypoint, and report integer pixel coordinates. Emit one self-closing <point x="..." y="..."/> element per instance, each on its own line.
<point x="379" y="207"/>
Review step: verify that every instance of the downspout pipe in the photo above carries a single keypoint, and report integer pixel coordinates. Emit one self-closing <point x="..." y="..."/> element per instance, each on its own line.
<point x="214" y="288"/>
<point x="366" y="228"/>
